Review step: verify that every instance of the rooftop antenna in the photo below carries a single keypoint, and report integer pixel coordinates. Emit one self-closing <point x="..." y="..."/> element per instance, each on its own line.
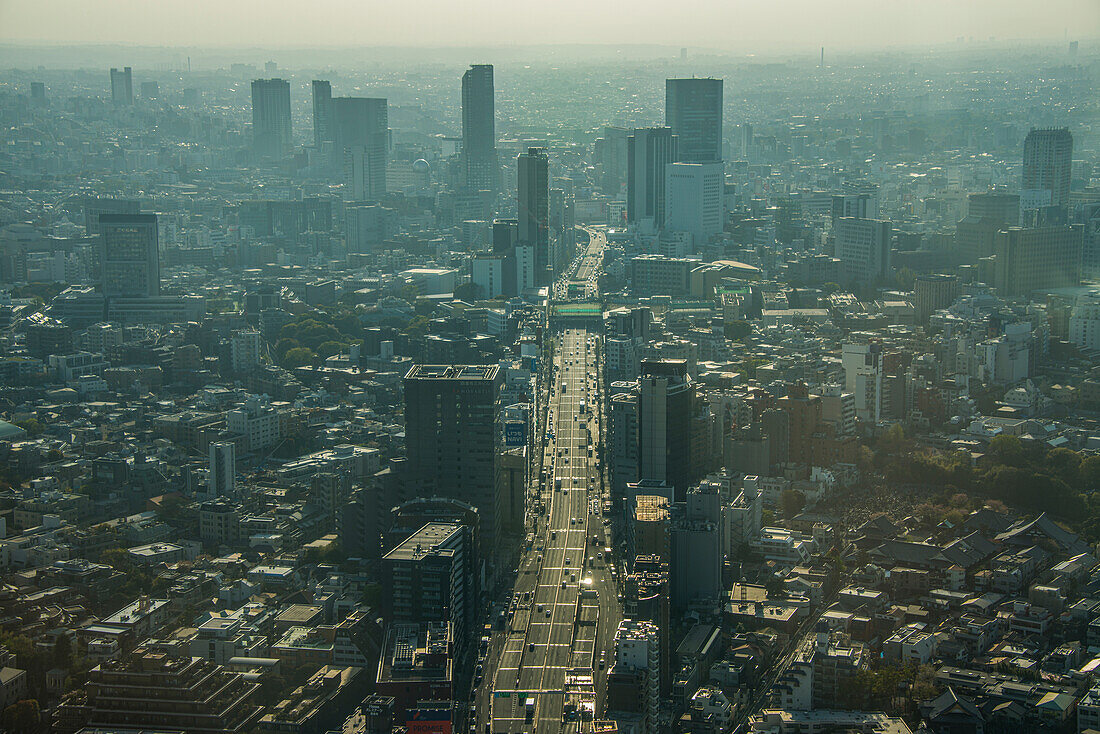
<point x="822" y="57"/>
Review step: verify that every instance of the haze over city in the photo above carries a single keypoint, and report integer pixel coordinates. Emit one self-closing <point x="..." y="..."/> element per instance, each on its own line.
<point x="563" y="368"/>
<point x="727" y="26"/>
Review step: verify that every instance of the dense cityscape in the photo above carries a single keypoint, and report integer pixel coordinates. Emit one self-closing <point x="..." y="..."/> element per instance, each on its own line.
<point x="658" y="391"/>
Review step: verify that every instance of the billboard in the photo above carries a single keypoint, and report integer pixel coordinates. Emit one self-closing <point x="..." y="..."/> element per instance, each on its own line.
<point x="515" y="434"/>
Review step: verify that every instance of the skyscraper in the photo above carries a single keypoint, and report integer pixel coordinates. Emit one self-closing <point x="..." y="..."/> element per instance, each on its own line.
<point x="863" y="248"/>
<point x="1048" y="156"/>
<point x="693" y="193"/>
<point x="665" y="402"/>
<point x="129" y="258"/>
<point x="693" y="109"/>
<point x="533" y="206"/>
<point x="271" y="131"/>
<point x="479" y="142"/>
<point x="122" y="86"/>
<point x="322" y="112"/>
<point x="610" y="155"/>
<point x="222" y="477"/>
<point x="649" y="151"/>
<point x="451" y="436"/>
<point x="361" y="136"/>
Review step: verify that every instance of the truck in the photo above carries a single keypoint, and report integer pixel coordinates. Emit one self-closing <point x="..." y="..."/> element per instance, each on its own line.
<point x="529" y="709"/>
<point x="557" y="483"/>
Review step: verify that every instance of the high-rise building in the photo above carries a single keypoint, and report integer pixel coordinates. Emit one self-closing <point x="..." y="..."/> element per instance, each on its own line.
<point x="367" y="226"/>
<point x="322" y="112"/>
<point x="1040" y="258"/>
<point x="222" y="476"/>
<point x="633" y="683"/>
<point x="361" y="141"/>
<point x="244" y="350"/>
<point x="533" y="206"/>
<point x="271" y="130"/>
<point x="38" y="90"/>
<point x="666" y="396"/>
<point x="610" y="154"/>
<point x="863" y="248"/>
<point x="693" y="109"/>
<point x="429" y="575"/>
<point x="649" y="151"/>
<point x="150" y="90"/>
<point x="932" y="292"/>
<point x="129" y="260"/>
<point x="563" y="236"/>
<point x="1048" y="157"/>
<point x="987" y="214"/>
<point x="623" y="438"/>
<point x="122" y="86"/>
<point x="1084" y="322"/>
<point x="479" y="141"/>
<point x="693" y="195"/>
<point x="695" y="571"/>
<point x="862" y="205"/>
<point x="451" y="437"/>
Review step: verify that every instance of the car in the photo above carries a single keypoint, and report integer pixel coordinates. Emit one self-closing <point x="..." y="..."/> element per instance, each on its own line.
<point x="563" y="583"/>
<point x="547" y="613"/>
<point x="530" y="647"/>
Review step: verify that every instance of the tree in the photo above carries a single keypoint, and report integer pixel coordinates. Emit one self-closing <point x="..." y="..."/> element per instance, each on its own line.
<point x="116" y="558"/>
<point x="1089" y="474"/>
<point x="284" y="345"/>
<point x="737" y="330"/>
<point x="893" y="441"/>
<point x="298" y="357"/>
<point x="21" y="716"/>
<point x="468" y="292"/>
<point x="1066" y="464"/>
<point x="32" y="426"/>
<point x="791" y="502"/>
<point x="329" y="348"/>
<point x="1008" y="450"/>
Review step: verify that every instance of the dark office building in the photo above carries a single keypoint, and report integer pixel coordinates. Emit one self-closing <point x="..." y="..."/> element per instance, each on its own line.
<point x="1043" y="258"/>
<point x="479" y="142"/>
<point x="430" y="578"/>
<point x="534" y="209"/>
<point x="271" y="130"/>
<point x="1048" y="158"/>
<point x="129" y="260"/>
<point x="122" y="86"/>
<point x="450" y="437"/>
<point x="322" y="112"/>
<point x="361" y="141"/>
<point x="665" y="404"/>
<point x="649" y="151"/>
<point x="693" y="109"/>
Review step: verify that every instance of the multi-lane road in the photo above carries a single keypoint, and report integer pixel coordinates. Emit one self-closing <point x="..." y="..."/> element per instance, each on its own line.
<point x="546" y="674"/>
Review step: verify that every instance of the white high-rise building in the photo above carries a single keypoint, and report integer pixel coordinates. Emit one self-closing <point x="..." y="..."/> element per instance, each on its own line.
<point x="693" y="199"/>
<point x="638" y="647"/>
<point x="222" y="478"/>
<point x="1084" y="322"/>
<point x="244" y="349"/>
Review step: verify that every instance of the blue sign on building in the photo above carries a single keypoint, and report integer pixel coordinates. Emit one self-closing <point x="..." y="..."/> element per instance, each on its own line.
<point x="515" y="434"/>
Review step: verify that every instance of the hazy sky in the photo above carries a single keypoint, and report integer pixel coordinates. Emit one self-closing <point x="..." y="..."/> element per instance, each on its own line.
<point x="722" y="24"/>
